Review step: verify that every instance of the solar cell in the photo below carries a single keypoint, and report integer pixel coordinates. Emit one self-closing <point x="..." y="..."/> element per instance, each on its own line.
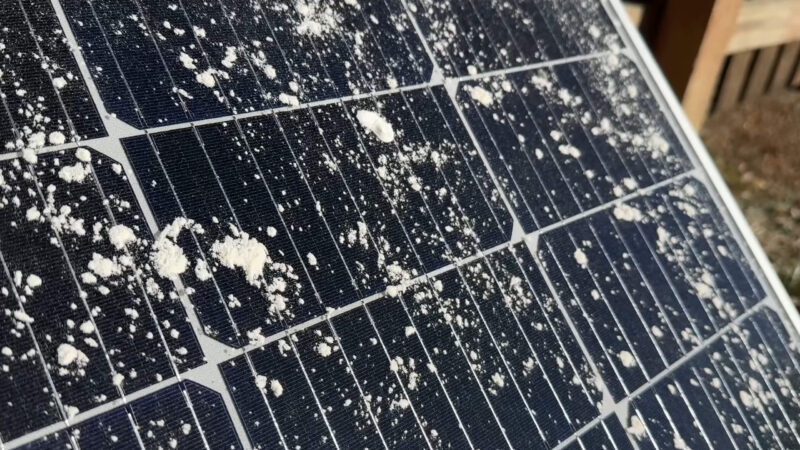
<point x="366" y="224"/>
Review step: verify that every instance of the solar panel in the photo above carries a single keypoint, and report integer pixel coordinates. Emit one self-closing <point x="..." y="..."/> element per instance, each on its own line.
<point x="365" y="224"/>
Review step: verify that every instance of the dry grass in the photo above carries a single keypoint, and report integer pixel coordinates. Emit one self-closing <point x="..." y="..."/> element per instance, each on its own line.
<point x="757" y="148"/>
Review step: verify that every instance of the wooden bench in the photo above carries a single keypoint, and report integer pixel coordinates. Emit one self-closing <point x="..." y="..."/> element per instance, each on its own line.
<point x="716" y="53"/>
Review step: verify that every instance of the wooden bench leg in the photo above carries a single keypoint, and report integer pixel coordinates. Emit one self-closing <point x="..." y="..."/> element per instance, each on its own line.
<point x="690" y="45"/>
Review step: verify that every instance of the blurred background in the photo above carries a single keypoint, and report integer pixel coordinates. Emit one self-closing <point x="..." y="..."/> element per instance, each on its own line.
<point x="735" y="65"/>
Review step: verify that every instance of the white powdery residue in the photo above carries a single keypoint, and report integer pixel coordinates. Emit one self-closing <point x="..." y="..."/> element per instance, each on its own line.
<point x="637" y="428"/>
<point x="261" y="381"/>
<point x="57" y="138"/>
<point x="83" y="155"/>
<point x="376" y="124"/>
<point x="68" y="355"/>
<point x="269" y="71"/>
<point x="288" y="99"/>
<point x="87" y="327"/>
<point x="199" y="32"/>
<point x="272" y="232"/>
<point x="657" y="333"/>
<point x="276" y="387"/>
<point x="88" y="278"/>
<point x="187" y="61"/>
<point x="29" y="155"/>
<point x="116" y="168"/>
<point x="201" y="270"/>
<point x="627" y="359"/>
<point x="75" y="173"/>
<point x="168" y="258"/>
<point x="580" y="258"/>
<point x="316" y="20"/>
<point x="410" y="331"/>
<point x="481" y="95"/>
<point x="627" y="213"/>
<point x="323" y="349"/>
<point x="59" y="83"/>
<point x="206" y="78"/>
<point x="120" y="236"/>
<point x="242" y="252"/>
<point x="312" y="260"/>
<point x="33" y="281"/>
<point x="103" y="267"/>
<point x="230" y="57"/>
<point x="629" y="183"/>
<point x="498" y="379"/>
<point x="22" y="316"/>
<point x="569" y="150"/>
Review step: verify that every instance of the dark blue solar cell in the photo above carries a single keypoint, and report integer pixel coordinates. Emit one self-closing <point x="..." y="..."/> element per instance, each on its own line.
<point x="251" y="404"/>
<point x="122" y="325"/>
<point x="608" y="434"/>
<point x="653" y="305"/>
<point x="465" y="387"/>
<point x="215" y="58"/>
<point x="212" y="416"/>
<point x="615" y="353"/>
<point x="461" y="170"/>
<point x="226" y="189"/>
<point x="30" y="34"/>
<point x="559" y="356"/>
<point x="104" y="70"/>
<point x="124" y="208"/>
<point x="749" y="394"/>
<point x="166" y="419"/>
<point x="166" y="207"/>
<point x="718" y="388"/>
<point x="714" y="242"/>
<point x="381" y="381"/>
<point x="616" y="432"/>
<point x="682" y="416"/>
<point x="127" y="56"/>
<point x="78" y="106"/>
<point x="468" y="36"/>
<point x="348" y="413"/>
<point x="55" y="441"/>
<point x="480" y="341"/>
<point x="113" y="429"/>
<point x="24" y="386"/>
<point x="500" y="298"/>
<point x="365" y="189"/>
<point x="292" y="400"/>
<point x="314" y="245"/>
<point x="424" y="387"/>
<point x="656" y="420"/>
<point x="218" y="48"/>
<point x="53" y="305"/>
<point x="695" y="394"/>
<point x="319" y="173"/>
<point x="634" y="120"/>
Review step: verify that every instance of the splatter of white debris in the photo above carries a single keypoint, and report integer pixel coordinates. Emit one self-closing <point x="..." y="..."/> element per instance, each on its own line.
<point x="75" y="173"/>
<point x="581" y="259"/>
<point x="120" y="236"/>
<point x="68" y="355"/>
<point x="323" y="349"/>
<point x="637" y="428"/>
<point x="627" y="213"/>
<point x="481" y="95"/>
<point x="276" y="387"/>
<point x="316" y="19"/>
<point x="376" y="124"/>
<point x="240" y="251"/>
<point x="627" y="359"/>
